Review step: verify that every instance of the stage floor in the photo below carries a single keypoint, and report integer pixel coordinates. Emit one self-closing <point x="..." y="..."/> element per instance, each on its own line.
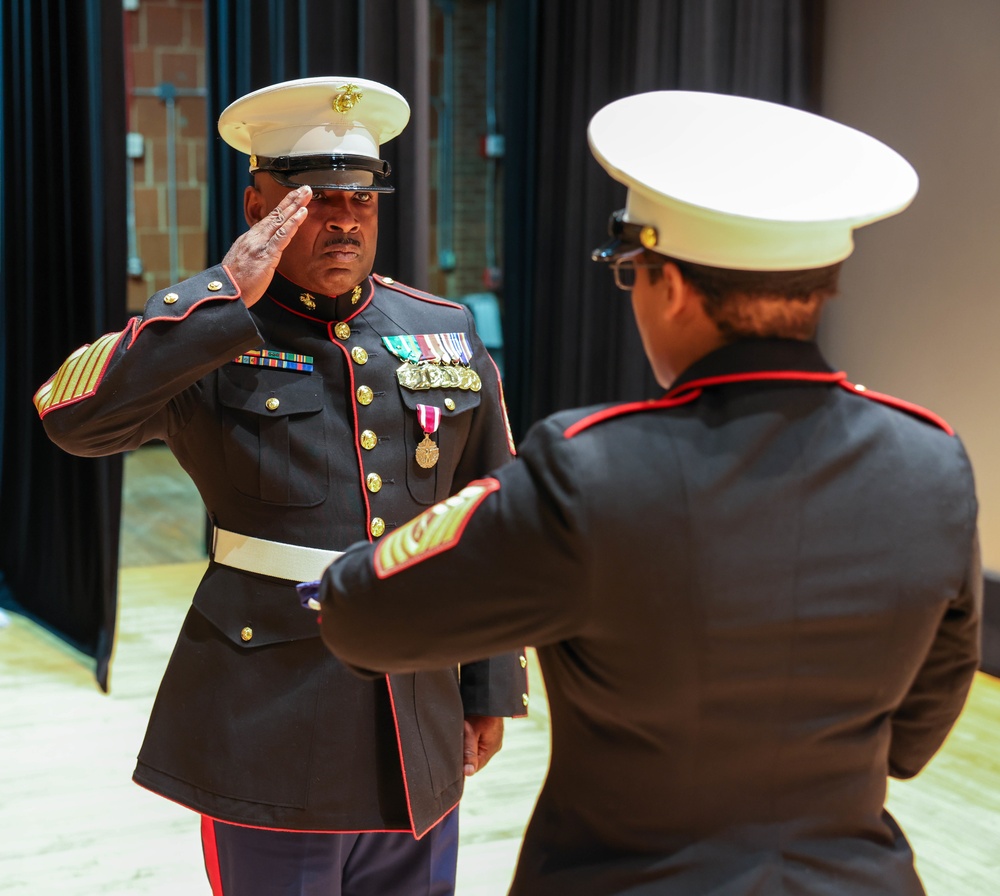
<point x="72" y="823"/>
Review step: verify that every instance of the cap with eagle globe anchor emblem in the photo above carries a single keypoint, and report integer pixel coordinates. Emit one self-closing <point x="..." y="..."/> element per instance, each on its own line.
<point x="322" y="132"/>
<point x="744" y="184"/>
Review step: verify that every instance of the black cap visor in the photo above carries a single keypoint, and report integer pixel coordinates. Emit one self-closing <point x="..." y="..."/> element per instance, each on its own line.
<point x="625" y="237"/>
<point x="327" y="171"/>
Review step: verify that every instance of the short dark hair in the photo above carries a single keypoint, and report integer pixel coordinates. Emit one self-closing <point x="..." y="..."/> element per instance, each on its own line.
<point x="759" y="304"/>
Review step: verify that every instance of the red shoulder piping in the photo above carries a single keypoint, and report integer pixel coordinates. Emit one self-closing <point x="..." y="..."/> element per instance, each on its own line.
<point x="689" y="391"/>
<point x="899" y="404"/>
<point x="414" y="293"/>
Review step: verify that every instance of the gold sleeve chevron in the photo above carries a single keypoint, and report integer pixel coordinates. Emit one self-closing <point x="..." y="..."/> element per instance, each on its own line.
<point x="434" y="531"/>
<point x="79" y="375"/>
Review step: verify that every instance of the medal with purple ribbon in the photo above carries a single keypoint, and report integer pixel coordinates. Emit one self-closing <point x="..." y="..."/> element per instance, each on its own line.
<point x="430" y="419"/>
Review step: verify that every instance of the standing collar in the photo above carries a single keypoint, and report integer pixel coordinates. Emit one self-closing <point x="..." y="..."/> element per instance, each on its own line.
<point x="756" y="356"/>
<point x="317" y="306"/>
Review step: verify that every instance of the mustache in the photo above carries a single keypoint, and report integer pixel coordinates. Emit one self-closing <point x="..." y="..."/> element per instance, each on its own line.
<point x="342" y="241"/>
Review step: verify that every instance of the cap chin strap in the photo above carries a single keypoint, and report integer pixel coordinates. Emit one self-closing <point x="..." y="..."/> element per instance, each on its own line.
<point x="625" y="237"/>
<point x="327" y="171"/>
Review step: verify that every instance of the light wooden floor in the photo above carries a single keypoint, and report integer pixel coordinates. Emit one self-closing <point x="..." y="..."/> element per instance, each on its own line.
<point x="73" y="824"/>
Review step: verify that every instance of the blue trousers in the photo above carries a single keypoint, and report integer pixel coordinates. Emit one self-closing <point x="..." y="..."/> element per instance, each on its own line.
<point x="243" y="861"/>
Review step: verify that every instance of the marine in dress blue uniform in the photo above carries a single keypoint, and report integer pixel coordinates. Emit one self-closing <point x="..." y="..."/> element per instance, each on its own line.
<point x="287" y="407"/>
<point x="754" y="598"/>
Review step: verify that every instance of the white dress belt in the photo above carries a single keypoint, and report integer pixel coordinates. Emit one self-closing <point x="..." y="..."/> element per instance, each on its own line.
<point x="270" y="558"/>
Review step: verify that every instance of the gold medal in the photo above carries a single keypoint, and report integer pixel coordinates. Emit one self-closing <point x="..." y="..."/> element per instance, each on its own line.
<point x="427" y="452"/>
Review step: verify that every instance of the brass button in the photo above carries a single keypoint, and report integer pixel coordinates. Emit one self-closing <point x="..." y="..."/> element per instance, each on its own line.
<point x="368" y="440"/>
<point x="214" y="286"/>
<point x="374" y="482"/>
<point x="378" y="526"/>
<point x="523" y="660"/>
<point x="247" y="633"/>
<point x="449" y="404"/>
<point x="359" y="354"/>
<point x="170" y="298"/>
<point x="272" y="404"/>
<point x="365" y="395"/>
<point x="524" y="699"/>
<point x="388" y="280"/>
<point x="342" y="330"/>
<point x="860" y="388"/>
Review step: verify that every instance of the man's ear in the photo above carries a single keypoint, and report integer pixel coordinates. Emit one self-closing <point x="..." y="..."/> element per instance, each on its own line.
<point x="677" y="292"/>
<point x="254" y="208"/>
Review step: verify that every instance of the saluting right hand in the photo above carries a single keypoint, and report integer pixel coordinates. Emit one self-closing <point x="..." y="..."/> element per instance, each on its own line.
<point x="253" y="258"/>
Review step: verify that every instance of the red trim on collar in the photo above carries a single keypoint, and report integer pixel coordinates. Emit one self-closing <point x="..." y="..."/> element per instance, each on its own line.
<point x="322" y="320"/>
<point x="689" y="391"/>
<point x="900" y="405"/>
<point x="812" y="376"/>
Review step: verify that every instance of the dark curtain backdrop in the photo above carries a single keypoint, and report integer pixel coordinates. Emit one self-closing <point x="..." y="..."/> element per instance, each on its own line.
<point x="569" y="335"/>
<point x="63" y="239"/>
<point x="382" y="40"/>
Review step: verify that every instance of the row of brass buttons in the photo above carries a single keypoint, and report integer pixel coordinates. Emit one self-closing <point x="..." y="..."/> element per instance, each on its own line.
<point x="172" y="297"/>
<point x="369" y="440"/>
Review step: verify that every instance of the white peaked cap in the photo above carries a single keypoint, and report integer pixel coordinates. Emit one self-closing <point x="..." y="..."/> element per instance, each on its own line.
<point x="315" y="124"/>
<point x="745" y="184"/>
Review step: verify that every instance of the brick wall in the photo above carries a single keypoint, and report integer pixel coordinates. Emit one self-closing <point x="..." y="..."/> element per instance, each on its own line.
<point x="165" y="45"/>
<point x="470" y="188"/>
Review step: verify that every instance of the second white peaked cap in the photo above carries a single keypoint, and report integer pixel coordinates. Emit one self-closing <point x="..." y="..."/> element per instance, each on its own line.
<point x="326" y="131"/>
<point x="744" y="184"/>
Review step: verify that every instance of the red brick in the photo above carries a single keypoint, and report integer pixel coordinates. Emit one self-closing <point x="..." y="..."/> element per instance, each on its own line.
<point x="165" y="24"/>
<point x="182" y="69"/>
<point x="190" y="210"/>
<point x="198" y="156"/>
<point x="191" y="117"/>
<point x="157" y="149"/>
<point x="154" y="250"/>
<point x="195" y="26"/>
<point x="144" y="68"/>
<point x="149" y="117"/>
<point x="148" y="214"/>
<point x="136" y="295"/>
<point x="193" y="252"/>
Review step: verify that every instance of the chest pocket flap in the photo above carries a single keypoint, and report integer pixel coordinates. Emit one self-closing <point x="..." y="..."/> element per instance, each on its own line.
<point x="274" y="437"/>
<point x="270" y="393"/>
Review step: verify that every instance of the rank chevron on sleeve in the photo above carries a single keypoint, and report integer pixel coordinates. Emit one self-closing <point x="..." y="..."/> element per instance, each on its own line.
<point x="434" y="531"/>
<point x="79" y="375"/>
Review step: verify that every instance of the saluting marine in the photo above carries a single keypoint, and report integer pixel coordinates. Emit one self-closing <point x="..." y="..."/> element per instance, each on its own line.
<point x="313" y="403"/>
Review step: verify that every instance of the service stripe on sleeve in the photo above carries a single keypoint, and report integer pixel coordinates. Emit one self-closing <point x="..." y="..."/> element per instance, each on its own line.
<point x="434" y="531"/>
<point x="79" y="375"/>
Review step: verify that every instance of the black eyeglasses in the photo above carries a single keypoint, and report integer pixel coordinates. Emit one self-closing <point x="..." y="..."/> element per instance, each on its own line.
<point x="624" y="268"/>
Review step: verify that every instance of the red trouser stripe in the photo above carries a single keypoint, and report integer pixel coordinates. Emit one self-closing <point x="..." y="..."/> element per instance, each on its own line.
<point x="211" y="851"/>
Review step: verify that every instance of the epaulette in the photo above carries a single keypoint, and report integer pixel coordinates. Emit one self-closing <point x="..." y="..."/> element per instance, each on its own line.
<point x="389" y="283"/>
<point x="900" y="405"/>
